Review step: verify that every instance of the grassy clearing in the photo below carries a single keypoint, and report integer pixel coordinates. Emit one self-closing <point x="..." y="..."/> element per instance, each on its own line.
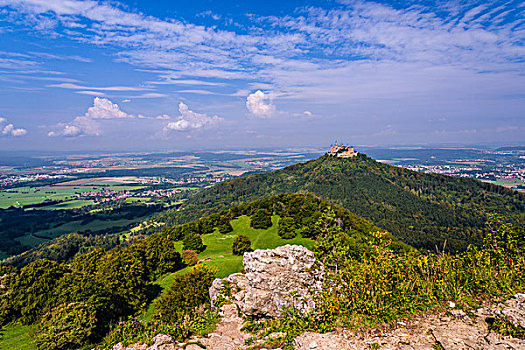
<point x="218" y="251"/>
<point x="71" y="227"/>
<point x="73" y="204"/>
<point x="30" y="240"/>
<point x="16" y="337"/>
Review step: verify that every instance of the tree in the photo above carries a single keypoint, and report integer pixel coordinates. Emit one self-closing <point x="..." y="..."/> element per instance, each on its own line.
<point x="34" y="289"/>
<point x="224" y="224"/>
<point x="123" y="273"/>
<point x="159" y="254"/>
<point x="261" y="219"/>
<point x="190" y="257"/>
<point x="241" y="244"/>
<point x="68" y="326"/>
<point x="192" y="241"/>
<point x="286" y="228"/>
<point x="186" y="293"/>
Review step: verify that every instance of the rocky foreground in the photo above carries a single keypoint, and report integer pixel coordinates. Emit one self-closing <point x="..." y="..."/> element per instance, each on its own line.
<point x="271" y="275"/>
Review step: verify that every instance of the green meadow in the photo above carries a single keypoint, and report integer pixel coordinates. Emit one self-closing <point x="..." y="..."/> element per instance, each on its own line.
<point x="16" y="337"/>
<point x="218" y="251"/>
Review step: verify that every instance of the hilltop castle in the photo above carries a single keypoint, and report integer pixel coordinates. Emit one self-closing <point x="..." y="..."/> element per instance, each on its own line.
<point x="342" y="151"/>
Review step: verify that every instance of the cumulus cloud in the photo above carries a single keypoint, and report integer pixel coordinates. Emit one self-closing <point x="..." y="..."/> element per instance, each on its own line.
<point x="190" y="120"/>
<point x="10" y="130"/>
<point x="105" y="109"/>
<point x="87" y="124"/>
<point x="259" y="104"/>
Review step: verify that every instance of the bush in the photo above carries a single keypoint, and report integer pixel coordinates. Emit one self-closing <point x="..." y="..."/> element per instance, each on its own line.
<point x="223" y="224"/>
<point x="186" y="293"/>
<point x="190" y="257"/>
<point x="241" y="244"/>
<point x="68" y="326"/>
<point x="286" y="228"/>
<point x="192" y="241"/>
<point x="135" y="331"/>
<point x="261" y="219"/>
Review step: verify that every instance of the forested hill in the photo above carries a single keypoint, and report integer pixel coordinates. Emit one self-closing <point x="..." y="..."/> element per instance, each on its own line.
<point x="421" y="209"/>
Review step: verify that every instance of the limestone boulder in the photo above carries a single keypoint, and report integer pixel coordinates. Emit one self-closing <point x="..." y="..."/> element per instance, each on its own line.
<point x="286" y="276"/>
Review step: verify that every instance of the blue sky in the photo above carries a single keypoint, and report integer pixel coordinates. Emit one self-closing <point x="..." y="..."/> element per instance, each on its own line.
<point x="164" y="75"/>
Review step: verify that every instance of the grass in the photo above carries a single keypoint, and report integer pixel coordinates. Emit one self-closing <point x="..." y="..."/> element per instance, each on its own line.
<point x="16" y="337"/>
<point x="218" y="251"/>
<point x="33" y="195"/>
<point x="71" y="227"/>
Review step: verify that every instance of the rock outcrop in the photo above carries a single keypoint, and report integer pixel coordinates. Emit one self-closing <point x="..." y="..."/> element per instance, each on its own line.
<point x="286" y="276"/>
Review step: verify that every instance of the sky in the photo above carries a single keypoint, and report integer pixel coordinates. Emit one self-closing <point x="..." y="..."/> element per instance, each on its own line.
<point x="147" y="75"/>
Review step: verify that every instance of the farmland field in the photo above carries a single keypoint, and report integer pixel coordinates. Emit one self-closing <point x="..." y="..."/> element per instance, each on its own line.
<point x="21" y="196"/>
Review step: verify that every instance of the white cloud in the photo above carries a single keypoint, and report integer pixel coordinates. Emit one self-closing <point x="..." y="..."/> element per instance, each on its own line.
<point x="10" y="130"/>
<point x="190" y="120"/>
<point x="150" y="95"/>
<point x="102" y="109"/>
<point x="91" y="93"/>
<point x="259" y="104"/>
<point x="105" y="109"/>
<point x="106" y="88"/>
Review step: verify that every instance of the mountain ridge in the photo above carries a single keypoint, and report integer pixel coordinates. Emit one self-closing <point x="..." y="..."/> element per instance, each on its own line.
<point x="423" y="210"/>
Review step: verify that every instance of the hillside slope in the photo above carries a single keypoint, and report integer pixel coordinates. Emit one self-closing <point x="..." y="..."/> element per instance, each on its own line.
<point x="422" y="210"/>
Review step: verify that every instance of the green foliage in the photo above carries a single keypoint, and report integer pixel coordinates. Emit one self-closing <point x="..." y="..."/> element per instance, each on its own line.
<point x="190" y="257"/>
<point x="225" y="227"/>
<point x="504" y="327"/>
<point x="261" y="219"/>
<point x="83" y="288"/>
<point x="287" y="228"/>
<point x="241" y="244"/>
<point x="160" y="255"/>
<point x="192" y="241"/>
<point x="34" y="289"/>
<point x="123" y="273"/>
<point x="186" y="293"/>
<point x="67" y="326"/>
<point x="134" y="331"/>
<point x="385" y="285"/>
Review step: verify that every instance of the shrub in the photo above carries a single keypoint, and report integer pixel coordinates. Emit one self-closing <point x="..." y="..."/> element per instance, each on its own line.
<point x="286" y="228"/>
<point x="68" y="326"/>
<point x="159" y="254"/>
<point x="135" y="331"/>
<point x="186" y="293"/>
<point x="241" y="244"/>
<point x="190" y="257"/>
<point x="192" y="241"/>
<point x="223" y="224"/>
<point x="261" y="219"/>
